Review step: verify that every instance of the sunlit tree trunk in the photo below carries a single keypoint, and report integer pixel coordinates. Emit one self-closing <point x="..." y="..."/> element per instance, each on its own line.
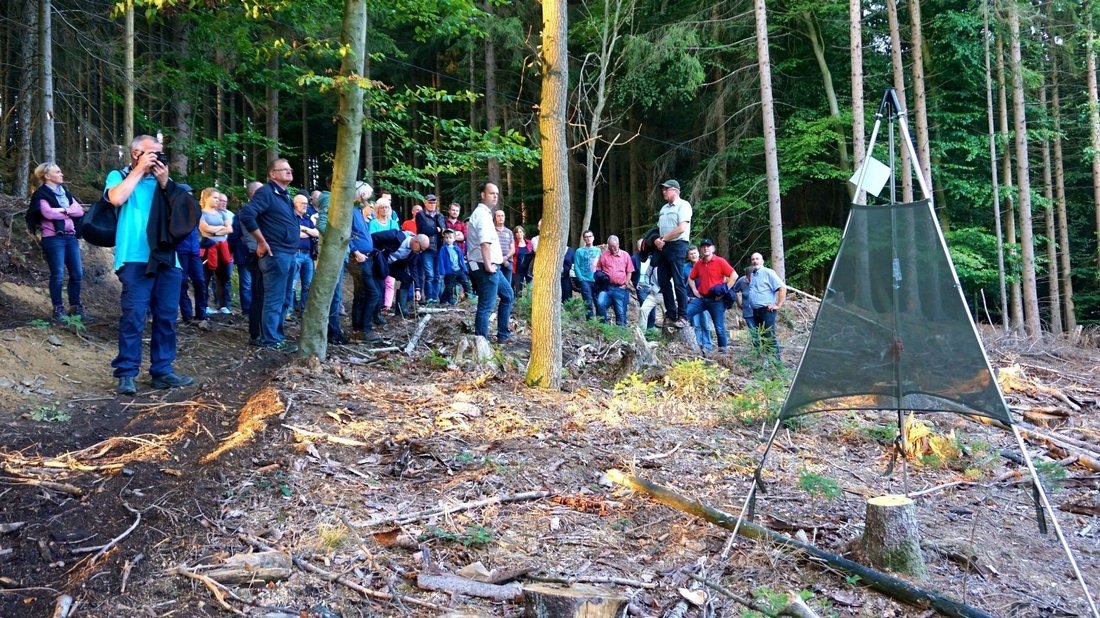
<point x="771" y="159"/>
<point x="1012" y="257"/>
<point x="855" y="36"/>
<point x="997" y="218"/>
<point x="544" y="368"/>
<point x="899" y="89"/>
<point x="45" y="47"/>
<point x="349" y="129"/>
<point x="1048" y="220"/>
<point x="1023" y="179"/>
<point x="920" y="99"/>
<point x="1065" y="272"/>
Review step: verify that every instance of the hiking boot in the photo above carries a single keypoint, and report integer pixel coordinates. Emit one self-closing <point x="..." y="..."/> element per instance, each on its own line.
<point x="171" y="380"/>
<point x="126" y="386"/>
<point x="58" y="315"/>
<point x="337" y="339"/>
<point x="284" y="346"/>
<point x="78" y="311"/>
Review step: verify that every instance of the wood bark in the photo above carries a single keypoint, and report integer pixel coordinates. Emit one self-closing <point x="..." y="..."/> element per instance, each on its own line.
<point x="899" y="88"/>
<point x="1048" y="221"/>
<point x="920" y="98"/>
<point x="253" y="568"/>
<point x="1094" y="124"/>
<point x="997" y="215"/>
<point x="578" y="600"/>
<point x="492" y="113"/>
<point x="349" y="128"/>
<point x="27" y="52"/>
<point x="855" y="35"/>
<point x="128" y="86"/>
<point x="460" y="585"/>
<point x="272" y="114"/>
<point x="818" y="46"/>
<point x="544" y="368"/>
<point x="891" y="537"/>
<point x="887" y="584"/>
<point x="1023" y="179"/>
<point x="771" y="159"/>
<point x="1012" y="258"/>
<point x="1065" y="271"/>
<point x="45" y="64"/>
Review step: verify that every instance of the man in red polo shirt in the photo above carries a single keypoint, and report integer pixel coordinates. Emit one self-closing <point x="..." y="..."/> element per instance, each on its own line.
<point x="710" y="281"/>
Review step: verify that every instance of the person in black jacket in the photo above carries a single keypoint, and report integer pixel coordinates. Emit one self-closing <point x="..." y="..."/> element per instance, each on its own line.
<point x="269" y="217"/>
<point x="431" y="223"/>
<point x="58" y="215"/>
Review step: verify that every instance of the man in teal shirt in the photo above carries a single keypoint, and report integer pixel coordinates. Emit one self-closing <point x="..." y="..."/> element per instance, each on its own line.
<point x="145" y="285"/>
<point x="584" y="267"/>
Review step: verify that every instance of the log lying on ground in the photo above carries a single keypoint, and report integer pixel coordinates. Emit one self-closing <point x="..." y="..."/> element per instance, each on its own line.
<point x="887" y="584"/>
<point x="891" y="538"/>
<point x="554" y="601"/>
<point x="460" y="585"/>
<point x="254" y="568"/>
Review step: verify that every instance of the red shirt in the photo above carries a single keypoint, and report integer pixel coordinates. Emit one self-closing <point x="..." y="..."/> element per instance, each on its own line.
<point x="710" y="273"/>
<point x="618" y="267"/>
<point x="458" y="225"/>
<point x="409" y="226"/>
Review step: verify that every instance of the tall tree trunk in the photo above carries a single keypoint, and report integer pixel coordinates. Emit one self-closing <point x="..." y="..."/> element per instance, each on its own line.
<point x="1094" y="125"/>
<point x="273" y="115"/>
<point x="349" y="129"/>
<point x="28" y="50"/>
<point x="1023" y="179"/>
<point x="899" y="89"/>
<point x="45" y="48"/>
<point x="771" y="159"/>
<point x="492" y="113"/>
<point x="181" y="102"/>
<point x="920" y="98"/>
<point x="997" y="218"/>
<point x="1065" y="271"/>
<point x="855" y="35"/>
<point x="1012" y="257"/>
<point x="128" y="111"/>
<point x="1048" y="220"/>
<point x="544" y="369"/>
<point x="818" y="46"/>
<point x="368" y="135"/>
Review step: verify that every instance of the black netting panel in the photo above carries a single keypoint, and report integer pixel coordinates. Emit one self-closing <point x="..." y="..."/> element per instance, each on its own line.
<point x="893" y="324"/>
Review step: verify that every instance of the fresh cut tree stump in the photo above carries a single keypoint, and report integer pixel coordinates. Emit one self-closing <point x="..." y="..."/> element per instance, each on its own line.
<point x="891" y="537"/>
<point x="576" y="601"/>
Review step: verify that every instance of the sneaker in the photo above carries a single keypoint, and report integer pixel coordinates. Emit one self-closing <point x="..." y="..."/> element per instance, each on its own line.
<point x="337" y="339"/>
<point x="257" y="342"/>
<point x="126" y="386"/>
<point x="58" y="315"/>
<point x="371" y="338"/>
<point x="505" y="338"/>
<point x="78" y="311"/>
<point x="284" y="346"/>
<point x="681" y="323"/>
<point x="171" y="380"/>
<point x="225" y="311"/>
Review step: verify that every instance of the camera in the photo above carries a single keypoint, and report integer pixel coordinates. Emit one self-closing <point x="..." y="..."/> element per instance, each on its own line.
<point x="163" y="158"/>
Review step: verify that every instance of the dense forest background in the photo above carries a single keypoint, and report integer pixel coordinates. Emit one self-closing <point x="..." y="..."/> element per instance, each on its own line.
<point x="659" y="89"/>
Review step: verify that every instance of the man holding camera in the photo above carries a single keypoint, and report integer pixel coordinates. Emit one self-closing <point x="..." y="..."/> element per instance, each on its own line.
<point x="150" y="278"/>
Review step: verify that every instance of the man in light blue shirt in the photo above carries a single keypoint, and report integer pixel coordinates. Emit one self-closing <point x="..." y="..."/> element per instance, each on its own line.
<point x="147" y="281"/>
<point x="584" y="267"/>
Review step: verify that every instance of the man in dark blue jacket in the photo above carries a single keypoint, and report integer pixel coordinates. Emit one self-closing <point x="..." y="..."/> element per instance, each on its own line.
<point x="269" y="217"/>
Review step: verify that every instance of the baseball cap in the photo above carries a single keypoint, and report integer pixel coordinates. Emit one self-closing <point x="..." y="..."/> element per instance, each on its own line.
<point x="671" y="184"/>
<point x="431" y="198"/>
<point x="705" y="242"/>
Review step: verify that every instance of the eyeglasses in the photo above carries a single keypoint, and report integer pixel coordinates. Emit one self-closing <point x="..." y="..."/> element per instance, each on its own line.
<point x="285" y="169"/>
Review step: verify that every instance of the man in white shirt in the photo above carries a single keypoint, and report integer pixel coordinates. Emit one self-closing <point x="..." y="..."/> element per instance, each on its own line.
<point x="486" y="258"/>
<point x="674" y="227"/>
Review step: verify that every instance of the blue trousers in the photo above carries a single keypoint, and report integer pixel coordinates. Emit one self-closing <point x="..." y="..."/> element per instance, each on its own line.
<point x="191" y="266"/>
<point x="140" y="293"/>
<point x="433" y="282"/>
<point x="762" y="329"/>
<point x="616" y="298"/>
<point x="62" y="252"/>
<point x="585" y="288"/>
<point x="275" y="268"/>
<point x="301" y="274"/>
<point x="717" y="310"/>
<point x="244" y="287"/>
<point x="492" y="290"/>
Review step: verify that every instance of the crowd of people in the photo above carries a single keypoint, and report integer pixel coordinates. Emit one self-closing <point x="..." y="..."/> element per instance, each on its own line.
<point x="273" y="243"/>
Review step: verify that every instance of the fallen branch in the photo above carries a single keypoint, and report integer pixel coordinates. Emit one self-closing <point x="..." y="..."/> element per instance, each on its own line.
<point x="596" y="579"/>
<point x="729" y="594"/>
<point x="115" y="541"/>
<point x="408" y="518"/>
<point x="417" y="334"/>
<point x="340" y="579"/>
<point x="460" y="585"/>
<point x="328" y="437"/>
<point x="896" y="588"/>
<point x="214" y="587"/>
<point x="72" y="490"/>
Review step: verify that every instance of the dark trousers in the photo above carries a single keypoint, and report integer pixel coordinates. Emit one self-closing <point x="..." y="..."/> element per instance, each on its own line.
<point x="141" y="292"/>
<point x="366" y="297"/>
<point x="670" y="276"/>
<point x="191" y="265"/>
<point x="256" y="309"/>
<point x="62" y="252"/>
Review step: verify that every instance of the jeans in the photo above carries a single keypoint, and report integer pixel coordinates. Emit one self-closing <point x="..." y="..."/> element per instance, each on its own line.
<point x="585" y="288"/>
<point x="647" y="315"/>
<point x="219" y="280"/>
<point x="256" y="309"/>
<point x="62" y="252"/>
<point x="670" y="276"/>
<point x="433" y="283"/>
<point x="191" y="267"/>
<point x="716" y="308"/>
<point x="491" y="288"/>
<point x="334" y="309"/>
<point x="367" y="295"/>
<point x="566" y="287"/>
<point x="762" y="324"/>
<point x="276" y="273"/>
<point x="616" y="297"/>
<point x="138" y="291"/>
<point x="301" y="273"/>
<point x="449" y="282"/>
<point x="244" y="287"/>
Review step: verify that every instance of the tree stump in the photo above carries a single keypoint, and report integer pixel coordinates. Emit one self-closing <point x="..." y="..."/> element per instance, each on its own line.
<point x="891" y="538"/>
<point x="578" y="600"/>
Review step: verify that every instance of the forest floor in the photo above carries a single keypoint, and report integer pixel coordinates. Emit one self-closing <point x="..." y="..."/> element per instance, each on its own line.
<point x="377" y="470"/>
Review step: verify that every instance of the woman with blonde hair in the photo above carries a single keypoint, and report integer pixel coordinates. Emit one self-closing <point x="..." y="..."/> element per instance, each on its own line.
<point x="58" y="221"/>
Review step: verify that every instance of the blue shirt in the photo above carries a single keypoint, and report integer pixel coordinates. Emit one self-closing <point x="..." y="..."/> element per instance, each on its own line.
<point x="361" y="240"/>
<point x="584" y="262"/>
<point x="132" y="237"/>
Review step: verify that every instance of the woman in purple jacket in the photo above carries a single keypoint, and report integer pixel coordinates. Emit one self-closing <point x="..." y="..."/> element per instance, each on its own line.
<point x="58" y="226"/>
